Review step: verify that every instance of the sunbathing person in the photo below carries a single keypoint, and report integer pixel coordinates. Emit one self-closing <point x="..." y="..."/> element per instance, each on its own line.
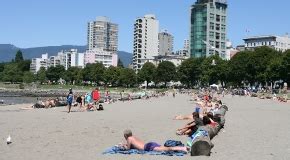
<point x="191" y="127"/>
<point x="198" y="109"/>
<point x="181" y="117"/>
<point x="133" y="142"/>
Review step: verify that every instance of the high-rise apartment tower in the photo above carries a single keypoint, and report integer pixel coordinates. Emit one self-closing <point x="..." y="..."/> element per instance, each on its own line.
<point x="145" y="40"/>
<point x="103" y="34"/>
<point x="208" y="28"/>
<point x="165" y="43"/>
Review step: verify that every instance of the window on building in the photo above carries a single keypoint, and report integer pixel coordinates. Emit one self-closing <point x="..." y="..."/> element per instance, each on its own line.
<point x="217" y="36"/>
<point x="223" y="36"/>
<point x="217" y="27"/>
<point x="217" y="44"/>
<point x="223" y="19"/>
<point x="218" y="18"/>
<point x="212" y="17"/>
<point x="211" y="43"/>
<point x="211" y="26"/>
<point x="223" y="46"/>
<point x="223" y="27"/>
<point x="211" y="35"/>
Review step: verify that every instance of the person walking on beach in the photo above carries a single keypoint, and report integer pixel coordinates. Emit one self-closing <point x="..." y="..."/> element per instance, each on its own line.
<point x="69" y="102"/>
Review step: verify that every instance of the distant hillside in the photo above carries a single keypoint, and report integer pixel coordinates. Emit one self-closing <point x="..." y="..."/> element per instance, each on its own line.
<point x="8" y="51"/>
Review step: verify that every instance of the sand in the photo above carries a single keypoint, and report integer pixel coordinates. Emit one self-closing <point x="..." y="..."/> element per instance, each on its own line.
<point x="255" y="129"/>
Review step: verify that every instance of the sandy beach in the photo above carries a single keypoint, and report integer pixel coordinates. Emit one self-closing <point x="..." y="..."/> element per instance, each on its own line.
<point x="255" y="129"/>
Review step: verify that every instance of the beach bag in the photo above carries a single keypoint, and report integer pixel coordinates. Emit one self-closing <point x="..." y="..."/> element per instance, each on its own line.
<point x="173" y="143"/>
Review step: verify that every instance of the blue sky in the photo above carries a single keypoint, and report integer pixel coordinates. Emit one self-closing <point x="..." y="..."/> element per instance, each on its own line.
<point x="34" y="23"/>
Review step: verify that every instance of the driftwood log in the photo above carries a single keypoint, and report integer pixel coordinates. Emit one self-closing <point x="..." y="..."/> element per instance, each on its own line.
<point x="202" y="145"/>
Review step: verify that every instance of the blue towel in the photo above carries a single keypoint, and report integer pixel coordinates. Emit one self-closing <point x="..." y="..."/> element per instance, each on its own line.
<point x="120" y="150"/>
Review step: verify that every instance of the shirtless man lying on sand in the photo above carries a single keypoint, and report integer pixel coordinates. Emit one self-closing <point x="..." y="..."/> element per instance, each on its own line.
<point x="50" y="103"/>
<point x="135" y="143"/>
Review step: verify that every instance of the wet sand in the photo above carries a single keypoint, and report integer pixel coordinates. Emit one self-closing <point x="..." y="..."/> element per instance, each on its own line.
<point x="255" y="129"/>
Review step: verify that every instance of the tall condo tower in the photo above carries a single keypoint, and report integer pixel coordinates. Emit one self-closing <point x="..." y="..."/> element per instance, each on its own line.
<point x="165" y="43"/>
<point x="145" y="40"/>
<point x="208" y="28"/>
<point x="103" y="34"/>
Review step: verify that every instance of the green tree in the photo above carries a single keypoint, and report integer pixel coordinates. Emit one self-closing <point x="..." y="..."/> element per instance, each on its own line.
<point x="127" y="77"/>
<point x="147" y="73"/>
<point x="94" y="72"/>
<point x="18" y="56"/>
<point x="258" y="62"/>
<point x="285" y="67"/>
<point x="189" y="72"/>
<point x="214" y="70"/>
<point x="238" y="68"/>
<point x="28" y="77"/>
<point x="11" y="73"/>
<point x="273" y="69"/>
<point x="120" y="63"/>
<point x="111" y="75"/>
<point x="2" y="65"/>
<point x="41" y="75"/>
<point x="72" y="75"/>
<point x="24" y="65"/>
<point x="166" y="72"/>
<point x="53" y="74"/>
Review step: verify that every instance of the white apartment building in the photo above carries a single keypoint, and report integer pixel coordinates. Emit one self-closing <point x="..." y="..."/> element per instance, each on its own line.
<point x="70" y="58"/>
<point x="182" y="52"/>
<point x="186" y="45"/>
<point x="103" y="34"/>
<point x="146" y="31"/>
<point x="175" y="59"/>
<point x="279" y="43"/>
<point x="230" y="50"/>
<point x="53" y="61"/>
<point x="165" y="43"/>
<point x="37" y="63"/>
<point x="98" y="55"/>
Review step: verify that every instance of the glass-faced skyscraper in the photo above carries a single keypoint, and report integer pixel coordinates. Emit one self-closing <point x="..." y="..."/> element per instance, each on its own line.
<point x="208" y="28"/>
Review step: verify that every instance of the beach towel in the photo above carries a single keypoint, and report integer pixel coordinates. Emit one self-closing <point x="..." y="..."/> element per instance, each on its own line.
<point x="198" y="133"/>
<point x="121" y="150"/>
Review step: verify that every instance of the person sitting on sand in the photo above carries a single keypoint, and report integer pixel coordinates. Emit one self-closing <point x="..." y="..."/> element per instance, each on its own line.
<point x="89" y="102"/>
<point x="191" y="127"/>
<point x="208" y="121"/>
<point x="79" y="101"/>
<point x="198" y="109"/>
<point x="133" y="142"/>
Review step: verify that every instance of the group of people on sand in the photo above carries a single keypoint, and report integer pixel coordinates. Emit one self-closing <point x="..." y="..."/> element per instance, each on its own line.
<point x="206" y="114"/>
<point x="89" y="102"/>
<point x="49" y="103"/>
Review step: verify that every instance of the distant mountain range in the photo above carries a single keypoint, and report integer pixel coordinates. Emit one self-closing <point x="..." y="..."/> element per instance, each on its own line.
<point x="8" y="51"/>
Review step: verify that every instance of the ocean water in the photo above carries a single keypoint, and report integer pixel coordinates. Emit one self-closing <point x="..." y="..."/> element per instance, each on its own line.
<point x="17" y="100"/>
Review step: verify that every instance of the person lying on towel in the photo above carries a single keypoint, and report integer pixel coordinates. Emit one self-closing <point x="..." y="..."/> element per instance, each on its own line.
<point x="133" y="142"/>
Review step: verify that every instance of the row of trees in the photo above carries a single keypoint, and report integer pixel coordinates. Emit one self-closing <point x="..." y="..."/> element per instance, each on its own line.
<point x="261" y="66"/>
<point x="17" y="70"/>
